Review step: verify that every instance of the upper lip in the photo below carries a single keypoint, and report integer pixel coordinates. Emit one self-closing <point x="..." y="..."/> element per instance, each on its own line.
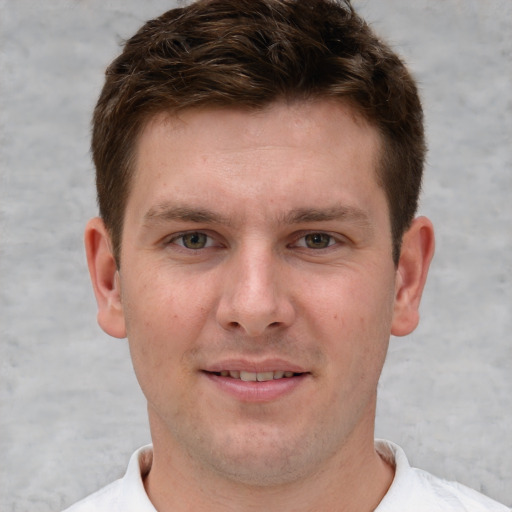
<point x="267" y="365"/>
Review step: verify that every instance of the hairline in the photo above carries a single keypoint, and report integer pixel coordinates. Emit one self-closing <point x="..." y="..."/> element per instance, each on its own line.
<point x="356" y="111"/>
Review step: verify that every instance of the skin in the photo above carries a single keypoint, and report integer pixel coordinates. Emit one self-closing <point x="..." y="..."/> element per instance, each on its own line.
<point x="286" y="260"/>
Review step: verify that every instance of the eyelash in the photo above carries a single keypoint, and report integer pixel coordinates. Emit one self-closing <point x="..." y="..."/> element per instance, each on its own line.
<point x="209" y="240"/>
<point x="181" y="236"/>
<point x="327" y="238"/>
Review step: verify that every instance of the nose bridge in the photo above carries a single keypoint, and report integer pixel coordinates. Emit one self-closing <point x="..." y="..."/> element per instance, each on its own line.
<point x="255" y="297"/>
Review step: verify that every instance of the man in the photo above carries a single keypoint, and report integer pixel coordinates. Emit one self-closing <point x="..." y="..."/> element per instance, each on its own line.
<point x="258" y="171"/>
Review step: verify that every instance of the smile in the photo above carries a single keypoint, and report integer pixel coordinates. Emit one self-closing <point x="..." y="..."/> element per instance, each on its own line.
<point x="256" y="376"/>
<point x="263" y="386"/>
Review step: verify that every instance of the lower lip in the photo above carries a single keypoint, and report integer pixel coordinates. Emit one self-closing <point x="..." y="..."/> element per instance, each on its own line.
<point x="255" y="392"/>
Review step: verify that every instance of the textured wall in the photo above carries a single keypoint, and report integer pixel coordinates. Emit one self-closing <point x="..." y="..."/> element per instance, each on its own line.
<point x="71" y="411"/>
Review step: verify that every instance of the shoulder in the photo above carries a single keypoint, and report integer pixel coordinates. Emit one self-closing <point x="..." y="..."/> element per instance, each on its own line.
<point x="124" y="495"/>
<point x="455" y="496"/>
<point x="418" y="490"/>
<point x="104" y="500"/>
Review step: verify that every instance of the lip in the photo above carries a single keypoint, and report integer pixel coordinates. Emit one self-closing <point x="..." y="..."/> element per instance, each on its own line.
<point x="256" y="392"/>
<point x="267" y="365"/>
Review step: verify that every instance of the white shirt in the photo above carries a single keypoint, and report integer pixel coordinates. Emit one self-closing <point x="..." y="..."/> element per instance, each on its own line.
<point x="412" y="489"/>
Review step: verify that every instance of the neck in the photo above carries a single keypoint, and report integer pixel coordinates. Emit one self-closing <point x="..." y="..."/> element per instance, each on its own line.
<point x="355" y="479"/>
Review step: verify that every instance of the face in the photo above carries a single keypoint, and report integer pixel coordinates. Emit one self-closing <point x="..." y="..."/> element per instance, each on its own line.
<point x="257" y="286"/>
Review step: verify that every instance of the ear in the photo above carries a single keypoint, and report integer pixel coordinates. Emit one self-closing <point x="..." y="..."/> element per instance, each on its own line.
<point x="415" y="257"/>
<point x="105" y="278"/>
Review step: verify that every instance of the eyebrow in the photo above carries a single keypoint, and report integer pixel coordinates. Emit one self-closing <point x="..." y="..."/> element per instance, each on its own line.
<point x="348" y="213"/>
<point x="166" y="212"/>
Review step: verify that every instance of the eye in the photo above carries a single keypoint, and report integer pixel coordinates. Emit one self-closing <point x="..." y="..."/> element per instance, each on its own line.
<point x="316" y="241"/>
<point x="194" y="240"/>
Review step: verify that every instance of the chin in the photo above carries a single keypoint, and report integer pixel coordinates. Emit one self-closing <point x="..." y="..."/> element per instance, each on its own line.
<point x="259" y="471"/>
<point x="262" y="459"/>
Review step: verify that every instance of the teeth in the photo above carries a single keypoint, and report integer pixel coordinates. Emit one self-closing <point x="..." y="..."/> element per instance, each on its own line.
<point x="248" y="376"/>
<point x="256" y="376"/>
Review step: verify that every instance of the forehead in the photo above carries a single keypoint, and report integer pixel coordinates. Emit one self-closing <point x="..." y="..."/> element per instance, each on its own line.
<point x="278" y="150"/>
<point x="301" y="123"/>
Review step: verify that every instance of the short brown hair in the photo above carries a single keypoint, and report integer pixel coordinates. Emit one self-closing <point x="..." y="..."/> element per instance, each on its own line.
<point x="249" y="53"/>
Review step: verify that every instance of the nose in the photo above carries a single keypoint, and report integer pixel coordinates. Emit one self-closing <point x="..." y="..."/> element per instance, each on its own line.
<point x="255" y="295"/>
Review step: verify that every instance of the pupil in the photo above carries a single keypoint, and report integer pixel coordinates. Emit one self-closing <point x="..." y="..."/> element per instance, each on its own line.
<point x="194" y="240"/>
<point x="318" y="240"/>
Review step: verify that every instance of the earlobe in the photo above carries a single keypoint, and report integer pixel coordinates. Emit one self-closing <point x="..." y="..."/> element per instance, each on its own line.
<point x="105" y="278"/>
<point x="416" y="254"/>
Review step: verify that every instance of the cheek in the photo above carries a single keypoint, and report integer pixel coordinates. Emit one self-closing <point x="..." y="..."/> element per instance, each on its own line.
<point x="353" y="298"/>
<point x="159" y="301"/>
<point x="162" y="325"/>
<point x="353" y="316"/>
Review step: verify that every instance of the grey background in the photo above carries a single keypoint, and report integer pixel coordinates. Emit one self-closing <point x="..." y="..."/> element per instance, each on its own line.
<point x="71" y="411"/>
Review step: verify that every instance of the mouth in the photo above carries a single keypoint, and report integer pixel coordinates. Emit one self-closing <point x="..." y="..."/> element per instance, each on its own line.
<point x="247" y="376"/>
<point x="257" y="382"/>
